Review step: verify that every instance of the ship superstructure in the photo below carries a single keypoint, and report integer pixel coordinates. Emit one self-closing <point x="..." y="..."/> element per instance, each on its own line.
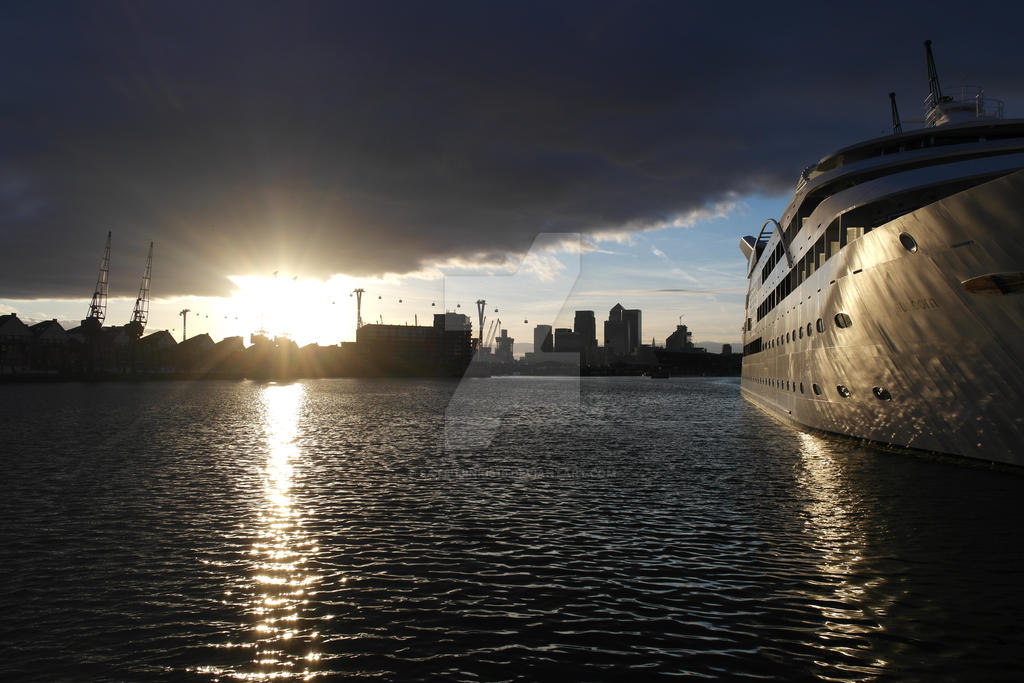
<point x="886" y="303"/>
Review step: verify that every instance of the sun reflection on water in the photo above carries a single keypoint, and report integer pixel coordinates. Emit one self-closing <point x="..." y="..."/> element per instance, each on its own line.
<point x="282" y="579"/>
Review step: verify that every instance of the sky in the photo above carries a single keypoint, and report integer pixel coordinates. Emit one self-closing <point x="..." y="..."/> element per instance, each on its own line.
<point x="419" y="150"/>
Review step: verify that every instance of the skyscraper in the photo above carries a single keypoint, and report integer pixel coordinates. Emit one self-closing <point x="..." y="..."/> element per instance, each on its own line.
<point x="622" y="331"/>
<point x="542" y="341"/>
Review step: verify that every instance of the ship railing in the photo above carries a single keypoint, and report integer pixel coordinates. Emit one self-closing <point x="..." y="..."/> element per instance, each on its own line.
<point x="970" y="99"/>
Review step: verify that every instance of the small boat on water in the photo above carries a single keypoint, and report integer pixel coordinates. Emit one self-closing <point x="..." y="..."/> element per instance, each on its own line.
<point x="887" y="302"/>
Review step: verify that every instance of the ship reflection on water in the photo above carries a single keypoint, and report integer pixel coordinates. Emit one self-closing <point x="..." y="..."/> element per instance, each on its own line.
<point x="856" y="609"/>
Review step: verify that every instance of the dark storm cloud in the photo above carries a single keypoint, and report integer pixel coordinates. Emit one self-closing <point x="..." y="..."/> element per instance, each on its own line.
<point x="362" y="138"/>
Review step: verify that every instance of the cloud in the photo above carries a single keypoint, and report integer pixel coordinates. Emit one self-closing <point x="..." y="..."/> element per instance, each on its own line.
<point x="324" y="138"/>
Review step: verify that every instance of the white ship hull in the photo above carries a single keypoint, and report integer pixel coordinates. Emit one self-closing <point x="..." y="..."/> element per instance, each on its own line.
<point x="927" y="363"/>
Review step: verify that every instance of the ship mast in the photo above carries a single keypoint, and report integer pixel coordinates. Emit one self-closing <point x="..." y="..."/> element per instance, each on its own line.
<point x="933" y="75"/>
<point x="897" y="126"/>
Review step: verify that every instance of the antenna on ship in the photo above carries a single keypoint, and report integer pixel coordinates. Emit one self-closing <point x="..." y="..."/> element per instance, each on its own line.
<point x="141" y="313"/>
<point x="933" y="75"/>
<point x="98" y="307"/>
<point x="897" y="127"/>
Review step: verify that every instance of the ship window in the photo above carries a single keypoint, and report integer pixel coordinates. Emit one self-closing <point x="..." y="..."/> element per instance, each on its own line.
<point x="881" y="394"/>
<point x="908" y="242"/>
<point x="842" y="391"/>
<point x="809" y="329"/>
<point x="816" y="389"/>
<point x="787" y="337"/>
<point x="820" y="326"/>
<point x="801" y="333"/>
<point x="801" y="387"/>
<point x="843" y="320"/>
<point x="794" y="335"/>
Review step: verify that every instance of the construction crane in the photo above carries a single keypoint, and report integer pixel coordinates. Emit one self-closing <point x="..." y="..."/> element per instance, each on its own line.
<point x="98" y="307"/>
<point x="140" y="316"/>
<point x="492" y="331"/>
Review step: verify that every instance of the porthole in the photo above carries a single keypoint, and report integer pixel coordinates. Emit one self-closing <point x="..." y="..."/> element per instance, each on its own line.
<point x="908" y="242"/>
<point x="801" y="387"/>
<point x="809" y="328"/>
<point x="842" y="391"/>
<point x="787" y="337"/>
<point x="801" y="333"/>
<point x="820" y="325"/>
<point x="794" y="335"/>
<point x="816" y="389"/>
<point x="881" y="394"/>
<point x="843" y="320"/>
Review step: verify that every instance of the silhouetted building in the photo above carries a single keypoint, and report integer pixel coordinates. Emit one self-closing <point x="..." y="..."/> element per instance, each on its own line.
<point x="503" y="352"/>
<point x="568" y="341"/>
<point x="585" y="325"/>
<point x="726" y="349"/>
<point x="616" y="338"/>
<point x="409" y="350"/>
<point x="156" y="351"/>
<point x="679" y="340"/>
<point x="542" y="339"/>
<point x="49" y="347"/>
<point x="15" y="342"/>
<point x="195" y="354"/>
<point x="622" y="331"/>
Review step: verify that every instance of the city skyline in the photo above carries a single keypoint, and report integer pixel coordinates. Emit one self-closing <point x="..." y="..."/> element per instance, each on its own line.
<point x="395" y="149"/>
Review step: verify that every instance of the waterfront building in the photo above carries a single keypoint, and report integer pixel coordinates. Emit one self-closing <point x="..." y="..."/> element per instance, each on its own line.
<point x="15" y="342"/>
<point x="49" y="347"/>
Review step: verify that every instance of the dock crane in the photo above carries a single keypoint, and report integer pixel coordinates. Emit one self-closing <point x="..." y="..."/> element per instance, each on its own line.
<point x="98" y="306"/>
<point x="140" y="316"/>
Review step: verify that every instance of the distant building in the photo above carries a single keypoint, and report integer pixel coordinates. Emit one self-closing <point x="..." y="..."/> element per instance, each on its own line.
<point x="679" y="340"/>
<point x="452" y="322"/>
<point x="445" y="349"/>
<point x="542" y="339"/>
<point x="567" y="341"/>
<point x="726" y="349"/>
<point x="585" y="325"/>
<point x="503" y="350"/>
<point x="616" y="338"/>
<point x="622" y="331"/>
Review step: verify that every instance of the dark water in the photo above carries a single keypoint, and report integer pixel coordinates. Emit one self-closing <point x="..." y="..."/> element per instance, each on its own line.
<point x="631" y="529"/>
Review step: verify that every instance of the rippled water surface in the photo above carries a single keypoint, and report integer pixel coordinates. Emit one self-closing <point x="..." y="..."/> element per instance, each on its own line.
<point x="611" y="528"/>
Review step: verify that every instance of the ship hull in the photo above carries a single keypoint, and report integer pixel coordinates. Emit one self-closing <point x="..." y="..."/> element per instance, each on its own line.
<point x="928" y="362"/>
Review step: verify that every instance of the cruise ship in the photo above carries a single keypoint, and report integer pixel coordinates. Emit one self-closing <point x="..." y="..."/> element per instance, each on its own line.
<point x="887" y="302"/>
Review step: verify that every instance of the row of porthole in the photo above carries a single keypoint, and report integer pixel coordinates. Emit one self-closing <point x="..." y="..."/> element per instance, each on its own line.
<point x="842" y="320"/>
<point x="881" y="393"/>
